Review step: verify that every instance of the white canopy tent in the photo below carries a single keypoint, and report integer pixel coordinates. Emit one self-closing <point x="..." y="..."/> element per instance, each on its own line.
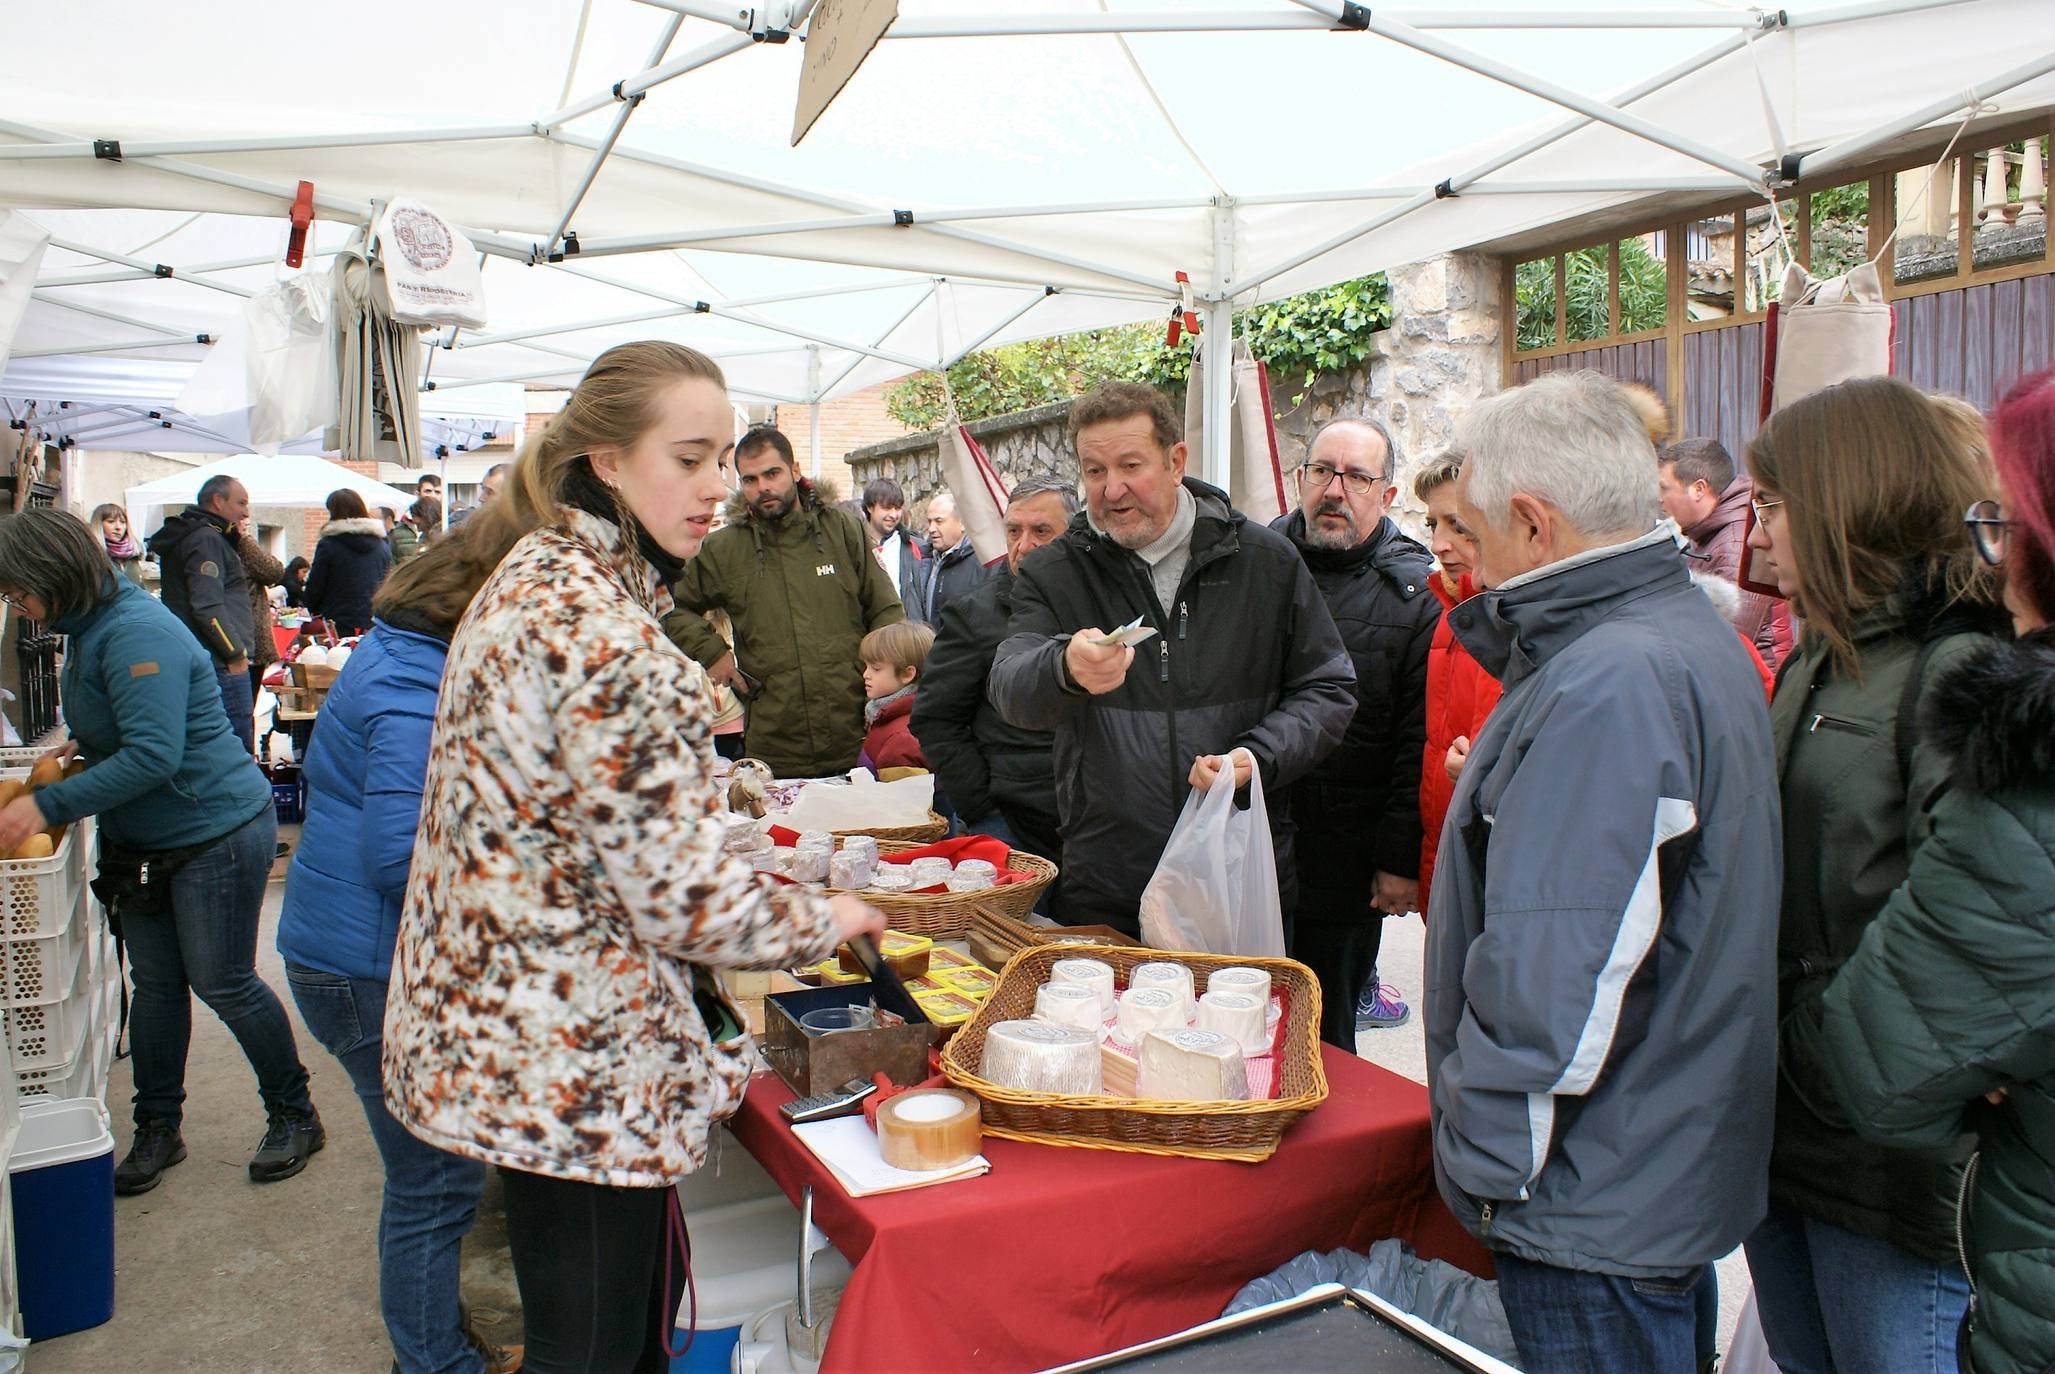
<point x="985" y="177"/>
<point x="292" y="480"/>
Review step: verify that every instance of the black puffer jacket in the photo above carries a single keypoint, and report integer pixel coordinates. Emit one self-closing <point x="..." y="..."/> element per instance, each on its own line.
<point x="982" y="763"/>
<point x="350" y="559"/>
<point x="952" y="573"/>
<point x="204" y="585"/>
<point x="1367" y="792"/>
<point x="1247" y="657"/>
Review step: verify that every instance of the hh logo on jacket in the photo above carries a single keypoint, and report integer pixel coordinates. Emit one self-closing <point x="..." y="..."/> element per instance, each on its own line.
<point x="824" y="570"/>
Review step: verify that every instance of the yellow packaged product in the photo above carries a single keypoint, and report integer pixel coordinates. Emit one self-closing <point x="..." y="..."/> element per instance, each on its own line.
<point x="947" y="1008"/>
<point x="975" y="982"/>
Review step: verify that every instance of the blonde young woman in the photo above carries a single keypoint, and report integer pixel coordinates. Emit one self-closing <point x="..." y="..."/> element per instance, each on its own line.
<point x="1859" y="495"/>
<point x="553" y="1007"/>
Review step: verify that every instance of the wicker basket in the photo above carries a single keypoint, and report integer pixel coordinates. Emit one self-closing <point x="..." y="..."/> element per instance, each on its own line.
<point x="1243" y="1131"/>
<point x="936" y="828"/>
<point x="946" y="915"/>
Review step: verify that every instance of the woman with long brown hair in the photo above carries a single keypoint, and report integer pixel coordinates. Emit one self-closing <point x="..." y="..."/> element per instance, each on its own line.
<point x="554" y="1009"/>
<point x="1859" y="495"/>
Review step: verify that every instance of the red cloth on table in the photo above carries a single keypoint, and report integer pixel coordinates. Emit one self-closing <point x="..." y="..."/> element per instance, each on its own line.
<point x="1058" y="1253"/>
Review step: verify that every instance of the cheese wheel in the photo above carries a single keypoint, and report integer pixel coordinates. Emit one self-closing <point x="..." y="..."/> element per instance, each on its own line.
<point x="1069" y="1004"/>
<point x="1191" y="1066"/>
<point x="1252" y="981"/>
<point x="1163" y="974"/>
<point x="1035" y="1056"/>
<point x="929" y="1128"/>
<point x="1237" y="1016"/>
<point x="1149" y="1009"/>
<point x="1095" y="974"/>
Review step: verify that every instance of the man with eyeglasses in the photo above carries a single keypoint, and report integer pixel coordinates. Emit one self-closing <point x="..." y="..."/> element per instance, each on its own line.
<point x="1358" y="812"/>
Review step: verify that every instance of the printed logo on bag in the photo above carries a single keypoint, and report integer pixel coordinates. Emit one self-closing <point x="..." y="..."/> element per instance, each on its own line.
<point x="824" y="570"/>
<point x="424" y="240"/>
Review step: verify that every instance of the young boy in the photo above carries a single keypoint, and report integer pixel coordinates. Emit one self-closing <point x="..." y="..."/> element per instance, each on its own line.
<point x="892" y="659"/>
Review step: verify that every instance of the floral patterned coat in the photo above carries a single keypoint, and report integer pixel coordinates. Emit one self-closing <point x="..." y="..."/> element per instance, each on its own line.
<point x="568" y="874"/>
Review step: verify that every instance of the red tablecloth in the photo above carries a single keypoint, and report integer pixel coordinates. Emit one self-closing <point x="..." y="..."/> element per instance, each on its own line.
<point x="1058" y="1254"/>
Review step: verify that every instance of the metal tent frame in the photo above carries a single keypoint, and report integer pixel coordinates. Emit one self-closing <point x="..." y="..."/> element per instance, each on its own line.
<point x="1013" y="274"/>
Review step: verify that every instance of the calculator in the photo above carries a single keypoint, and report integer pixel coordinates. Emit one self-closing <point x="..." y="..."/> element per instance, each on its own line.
<point x="846" y="1100"/>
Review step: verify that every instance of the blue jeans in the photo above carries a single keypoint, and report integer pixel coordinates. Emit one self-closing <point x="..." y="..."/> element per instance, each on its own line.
<point x="239" y="699"/>
<point x="1832" y="1300"/>
<point x="200" y="936"/>
<point x="431" y="1196"/>
<point x="1567" y="1321"/>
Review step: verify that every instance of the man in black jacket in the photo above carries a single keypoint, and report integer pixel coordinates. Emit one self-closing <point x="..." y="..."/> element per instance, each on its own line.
<point x="204" y="587"/>
<point x="1358" y="812"/>
<point x="1246" y="671"/>
<point x="954" y="567"/>
<point x="998" y="777"/>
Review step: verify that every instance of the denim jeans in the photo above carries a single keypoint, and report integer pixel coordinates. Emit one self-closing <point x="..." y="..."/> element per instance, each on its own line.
<point x="200" y="936"/>
<point x="1567" y="1321"/>
<point x="239" y="699"/>
<point x="431" y="1196"/>
<point x="1832" y="1300"/>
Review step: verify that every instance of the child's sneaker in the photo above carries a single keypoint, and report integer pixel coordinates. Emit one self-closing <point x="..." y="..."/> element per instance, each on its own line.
<point x="1379" y="1007"/>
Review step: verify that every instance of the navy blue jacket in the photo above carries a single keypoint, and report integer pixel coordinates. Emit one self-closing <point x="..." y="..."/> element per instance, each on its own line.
<point x="364" y="771"/>
<point x="350" y="559"/>
<point x="141" y="698"/>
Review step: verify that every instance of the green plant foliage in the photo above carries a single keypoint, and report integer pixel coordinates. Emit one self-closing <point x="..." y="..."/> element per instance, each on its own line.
<point x="1644" y="295"/>
<point x="1302" y="336"/>
<point x="1534" y="301"/>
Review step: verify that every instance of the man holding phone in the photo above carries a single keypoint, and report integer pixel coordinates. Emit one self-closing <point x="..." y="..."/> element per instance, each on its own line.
<point x="801" y="589"/>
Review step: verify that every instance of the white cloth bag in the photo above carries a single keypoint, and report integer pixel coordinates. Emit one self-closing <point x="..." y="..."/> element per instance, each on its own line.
<point x="1215" y="888"/>
<point x="427" y="269"/>
<point x="1822" y="333"/>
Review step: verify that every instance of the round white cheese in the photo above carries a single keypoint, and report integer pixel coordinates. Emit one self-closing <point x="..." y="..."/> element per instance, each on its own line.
<point x="1036" y="1056"/>
<point x="1252" y="981"/>
<point x="1069" y="1004"/>
<point x="1095" y="974"/>
<point x="1163" y="974"/>
<point x="1149" y="1009"/>
<point x="1191" y="1066"/>
<point x="1237" y="1016"/>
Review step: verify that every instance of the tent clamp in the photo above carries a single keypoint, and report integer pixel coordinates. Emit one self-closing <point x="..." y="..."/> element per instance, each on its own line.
<point x="203" y="338"/>
<point x="107" y="149"/>
<point x="772" y="35"/>
<point x="1772" y="20"/>
<point x="902" y="219"/>
<point x="570" y="246"/>
<point x="1354" y="16"/>
<point x="429" y="386"/>
<point x="1445" y="189"/>
<point x="163" y="270"/>
<point x="1789" y="168"/>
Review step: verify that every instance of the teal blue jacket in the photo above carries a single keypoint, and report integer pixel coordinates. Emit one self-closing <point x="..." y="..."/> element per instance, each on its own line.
<point x="140" y="697"/>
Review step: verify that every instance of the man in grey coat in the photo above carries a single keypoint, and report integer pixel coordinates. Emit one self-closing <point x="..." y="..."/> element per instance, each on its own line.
<point x="1601" y="949"/>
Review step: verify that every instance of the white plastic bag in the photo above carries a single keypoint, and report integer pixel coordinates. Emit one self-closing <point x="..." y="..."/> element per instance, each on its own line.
<point x="292" y="361"/>
<point x="1215" y="888"/>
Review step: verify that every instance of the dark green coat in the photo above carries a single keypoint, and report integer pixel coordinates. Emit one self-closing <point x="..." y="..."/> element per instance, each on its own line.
<point x="1952" y="993"/>
<point x="801" y="592"/>
<point x="1851" y="826"/>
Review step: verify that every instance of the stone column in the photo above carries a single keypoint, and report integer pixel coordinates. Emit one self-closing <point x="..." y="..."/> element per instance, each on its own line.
<point x="1442" y="352"/>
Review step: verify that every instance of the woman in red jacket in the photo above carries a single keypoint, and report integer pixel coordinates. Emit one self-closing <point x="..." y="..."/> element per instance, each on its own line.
<point x="1460" y="694"/>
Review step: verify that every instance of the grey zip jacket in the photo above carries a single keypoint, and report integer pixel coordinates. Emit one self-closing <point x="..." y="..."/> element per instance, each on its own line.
<point x="1601" y="989"/>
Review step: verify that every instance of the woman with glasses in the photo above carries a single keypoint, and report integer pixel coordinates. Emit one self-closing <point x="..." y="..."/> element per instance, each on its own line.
<point x="187" y="834"/>
<point x="1942" y="1024"/>
<point x="1860" y="491"/>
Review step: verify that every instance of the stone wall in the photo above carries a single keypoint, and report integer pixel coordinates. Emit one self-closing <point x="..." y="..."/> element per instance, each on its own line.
<point x="1442" y="352"/>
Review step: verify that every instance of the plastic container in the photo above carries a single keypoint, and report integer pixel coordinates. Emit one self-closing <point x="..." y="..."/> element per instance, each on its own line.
<point x="37" y="896"/>
<point x="47" y="1033"/>
<point x="62" y="1181"/>
<point x="32" y="969"/>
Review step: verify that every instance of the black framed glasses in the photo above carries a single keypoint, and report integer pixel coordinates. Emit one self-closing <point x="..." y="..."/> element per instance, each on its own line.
<point x="1318" y="475"/>
<point x="1987" y="527"/>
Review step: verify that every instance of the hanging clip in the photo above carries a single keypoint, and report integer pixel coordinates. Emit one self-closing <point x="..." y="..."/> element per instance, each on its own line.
<point x="1184" y="316"/>
<point x="302" y="216"/>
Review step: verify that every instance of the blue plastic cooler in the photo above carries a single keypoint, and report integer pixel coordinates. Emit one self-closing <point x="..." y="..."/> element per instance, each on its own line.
<point x="62" y="1175"/>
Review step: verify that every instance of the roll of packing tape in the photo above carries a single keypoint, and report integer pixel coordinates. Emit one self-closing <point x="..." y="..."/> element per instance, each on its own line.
<point x="929" y="1128"/>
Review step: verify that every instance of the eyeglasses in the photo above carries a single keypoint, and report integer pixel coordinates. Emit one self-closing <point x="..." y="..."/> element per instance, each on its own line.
<point x="1318" y="475"/>
<point x="1762" y="508"/>
<point x="1987" y="529"/>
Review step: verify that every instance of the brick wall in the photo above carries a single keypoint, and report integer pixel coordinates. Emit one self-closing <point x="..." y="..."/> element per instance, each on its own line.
<point x="314" y="517"/>
<point x="855" y="421"/>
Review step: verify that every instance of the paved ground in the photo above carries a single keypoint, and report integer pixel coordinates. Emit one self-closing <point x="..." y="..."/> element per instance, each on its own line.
<point x="218" y="1274"/>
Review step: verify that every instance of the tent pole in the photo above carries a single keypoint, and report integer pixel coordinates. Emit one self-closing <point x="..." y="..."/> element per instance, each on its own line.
<point x="283" y="143"/>
<point x="186" y="274"/>
<point x="1218" y="342"/>
<point x="813" y="409"/>
<point x="628" y="103"/>
<point x="123" y="347"/>
<point x="911" y="311"/>
<point x="781" y="298"/>
<point x="1839" y="154"/>
<point x="648" y="78"/>
<point x="147" y="268"/>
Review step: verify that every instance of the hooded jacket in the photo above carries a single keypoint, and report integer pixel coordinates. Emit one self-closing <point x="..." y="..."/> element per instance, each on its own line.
<point x="350" y="559"/>
<point x="984" y="764"/>
<point x="1246" y="656"/>
<point x="141" y="699"/>
<point x="364" y="772"/>
<point x="801" y="592"/>
<point x="203" y="579"/>
<point x="1460" y="695"/>
<point x="1719" y="545"/>
<point x="952" y="573"/>
<point x="1366" y="794"/>
<point x="1852" y="825"/>
<point x="889" y="741"/>
<point x="1951" y="993"/>
<point x="1600" y="1016"/>
<point x="569" y="888"/>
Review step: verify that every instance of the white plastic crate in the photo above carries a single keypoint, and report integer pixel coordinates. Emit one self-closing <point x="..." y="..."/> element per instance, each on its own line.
<point x="75" y="1079"/>
<point x="36" y="969"/>
<point x="22" y="755"/>
<point x="10" y="1111"/>
<point x="42" y="1035"/>
<point x="38" y="895"/>
<point x="10" y="1283"/>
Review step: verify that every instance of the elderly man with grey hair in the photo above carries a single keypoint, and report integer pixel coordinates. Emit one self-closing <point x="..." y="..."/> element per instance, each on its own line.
<point x="1364" y="798"/>
<point x="997" y="777"/>
<point x="1601" y="1008"/>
